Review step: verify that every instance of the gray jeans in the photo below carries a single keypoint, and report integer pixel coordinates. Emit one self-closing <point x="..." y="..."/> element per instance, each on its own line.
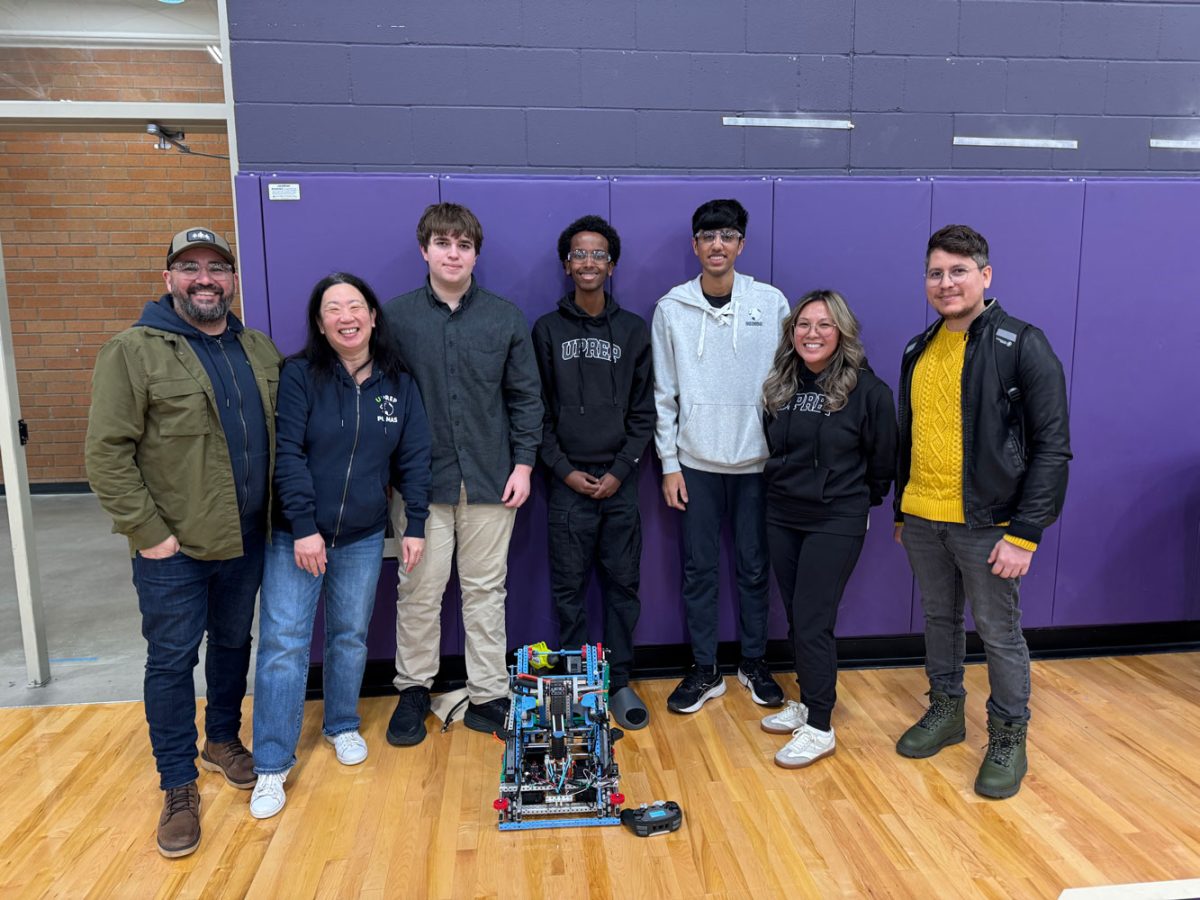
<point x="950" y="563"/>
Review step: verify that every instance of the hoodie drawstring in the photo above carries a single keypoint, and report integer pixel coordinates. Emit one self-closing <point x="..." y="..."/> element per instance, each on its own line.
<point x="721" y="316"/>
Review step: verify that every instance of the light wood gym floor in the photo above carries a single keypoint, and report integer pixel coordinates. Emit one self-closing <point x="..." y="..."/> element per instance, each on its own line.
<point x="1112" y="797"/>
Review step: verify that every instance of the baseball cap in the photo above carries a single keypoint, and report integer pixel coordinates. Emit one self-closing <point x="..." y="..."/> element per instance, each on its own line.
<point x="199" y="237"/>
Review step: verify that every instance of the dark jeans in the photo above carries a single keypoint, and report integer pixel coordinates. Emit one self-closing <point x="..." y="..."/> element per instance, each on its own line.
<point x="181" y="598"/>
<point x="812" y="569"/>
<point x="950" y="563"/>
<point x="713" y="498"/>
<point x="608" y="534"/>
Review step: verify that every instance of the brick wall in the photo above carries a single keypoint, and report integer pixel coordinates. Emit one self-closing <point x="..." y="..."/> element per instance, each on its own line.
<point x="569" y="86"/>
<point x="85" y="219"/>
<point x="52" y="73"/>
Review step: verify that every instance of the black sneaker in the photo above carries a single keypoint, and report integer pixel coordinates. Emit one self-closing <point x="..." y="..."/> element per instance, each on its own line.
<point x="698" y="685"/>
<point x="755" y="676"/>
<point x="487" y="717"/>
<point x="407" y="726"/>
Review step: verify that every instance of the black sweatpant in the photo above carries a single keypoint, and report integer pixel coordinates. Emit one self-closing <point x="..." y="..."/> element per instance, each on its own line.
<point x="812" y="569"/>
<point x="608" y="534"/>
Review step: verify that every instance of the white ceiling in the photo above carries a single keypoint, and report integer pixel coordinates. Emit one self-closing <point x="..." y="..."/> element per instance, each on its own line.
<point x="108" y="23"/>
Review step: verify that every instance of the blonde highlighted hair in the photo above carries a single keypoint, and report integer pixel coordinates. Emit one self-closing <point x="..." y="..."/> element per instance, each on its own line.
<point x="839" y="377"/>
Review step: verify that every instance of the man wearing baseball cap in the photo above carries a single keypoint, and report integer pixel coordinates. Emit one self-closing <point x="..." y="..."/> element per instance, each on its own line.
<point x="180" y="448"/>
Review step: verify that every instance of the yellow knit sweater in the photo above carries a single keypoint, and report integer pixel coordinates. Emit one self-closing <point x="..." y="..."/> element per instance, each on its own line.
<point x="934" y="489"/>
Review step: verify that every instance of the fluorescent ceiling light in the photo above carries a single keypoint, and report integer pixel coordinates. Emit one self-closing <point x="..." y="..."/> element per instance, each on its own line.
<point x="1165" y="144"/>
<point x="1034" y="143"/>
<point x="788" y="122"/>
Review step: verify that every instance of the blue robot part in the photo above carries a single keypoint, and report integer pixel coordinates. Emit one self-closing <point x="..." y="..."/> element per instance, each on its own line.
<point x="558" y="769"/>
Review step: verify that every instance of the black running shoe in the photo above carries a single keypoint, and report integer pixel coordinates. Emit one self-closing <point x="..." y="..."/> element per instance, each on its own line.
<point x="407" y="726"/>
<point x="699" y="685"/>
<point x="755" y="676"/>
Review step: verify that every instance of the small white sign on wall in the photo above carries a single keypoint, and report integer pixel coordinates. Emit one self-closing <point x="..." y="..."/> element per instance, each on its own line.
<point x="283" y="191"/>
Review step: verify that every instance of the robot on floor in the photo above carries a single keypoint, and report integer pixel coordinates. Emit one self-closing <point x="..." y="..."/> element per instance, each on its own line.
<point x="558" y="768"/>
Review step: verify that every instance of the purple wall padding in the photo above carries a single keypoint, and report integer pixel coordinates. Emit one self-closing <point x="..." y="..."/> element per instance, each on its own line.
<point x="1125" y="549"/>
<point x="1128" y="551"/>
<point x="1033" y="229"/>
<point x="864" y="239"/>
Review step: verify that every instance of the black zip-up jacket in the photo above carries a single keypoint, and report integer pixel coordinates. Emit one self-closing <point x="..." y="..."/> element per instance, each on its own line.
<point x="1014" y="456"/>
<point x="827" y="469"/>
<point x="597" y="388"/>
<point x="339" y="444"/>
<point x="474" y="366"/>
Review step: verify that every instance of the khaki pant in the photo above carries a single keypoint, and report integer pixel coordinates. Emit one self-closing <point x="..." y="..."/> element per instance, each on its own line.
<point x="481" y="533"/>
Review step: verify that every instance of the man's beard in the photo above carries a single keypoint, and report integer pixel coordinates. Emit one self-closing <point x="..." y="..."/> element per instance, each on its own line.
<point x="205" y="314"/>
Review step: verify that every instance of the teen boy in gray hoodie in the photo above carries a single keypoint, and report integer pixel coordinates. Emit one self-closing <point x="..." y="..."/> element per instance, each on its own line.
<point x="713" y="339"/>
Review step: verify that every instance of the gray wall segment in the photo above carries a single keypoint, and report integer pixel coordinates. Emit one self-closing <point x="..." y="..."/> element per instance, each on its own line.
<point x="905" y="140"/>
<point x="382" y="135"/>
<point x="1175" y="130"/>
<point x="1010" y="28"/>
<point x="797" y="149"/>
<point x="799" y="26"/>
<point x="291" y="72"/>
<point x="409" y="76"/>
<point x="1111" y="30"/>
<point x="602" y="138"/>
<point x="469" y="136"/>
<point x="1153" y="89"/>
<point x="823" y="84"/>
<point x="954" y="85"/>
<point x="1056" y="86"/>
<point x="732" y="82"/>
<point x="693" y="25"/>
<point x="578" y="23"/>
<point x="688" y="63"/>
<point x="917" y="27"/>
<point x="629" y="79"/>
<point x="1105" y="144"/>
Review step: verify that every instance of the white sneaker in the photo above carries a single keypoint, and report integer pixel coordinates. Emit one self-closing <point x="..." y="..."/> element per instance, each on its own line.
<point x="268" y="797"/>
<point x="806" y="747"/>
<point x="350" y="746"/>
<point x="787" y="720"/>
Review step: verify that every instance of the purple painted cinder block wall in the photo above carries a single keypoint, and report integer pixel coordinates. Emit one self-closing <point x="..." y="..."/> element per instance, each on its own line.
<point x="565" y="86"/>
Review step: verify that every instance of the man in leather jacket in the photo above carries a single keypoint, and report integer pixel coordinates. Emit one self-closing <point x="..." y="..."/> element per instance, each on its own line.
<point x="984" y="447"/>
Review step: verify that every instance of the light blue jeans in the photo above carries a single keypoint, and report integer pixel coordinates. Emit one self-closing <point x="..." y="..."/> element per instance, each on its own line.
<point x="287" y="609"/>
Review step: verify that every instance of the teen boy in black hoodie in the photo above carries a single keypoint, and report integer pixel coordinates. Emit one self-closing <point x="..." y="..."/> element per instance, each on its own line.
<point x="598" y="394"/>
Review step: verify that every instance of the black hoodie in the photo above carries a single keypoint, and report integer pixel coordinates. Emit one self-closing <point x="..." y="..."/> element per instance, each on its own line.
<point x="597" y="388"/>
<point x="827" y="469"/>
<point x="238" y="402"/>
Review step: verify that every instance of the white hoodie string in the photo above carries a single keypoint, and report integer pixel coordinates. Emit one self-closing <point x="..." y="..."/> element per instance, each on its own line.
<point x="728" y="311"/>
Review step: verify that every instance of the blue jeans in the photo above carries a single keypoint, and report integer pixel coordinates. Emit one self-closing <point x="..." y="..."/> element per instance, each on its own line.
<point x="289" y="605"/>
<point x="180" y="598"/>
<point x="949" y="561"/>
<point x="713" y="498"/>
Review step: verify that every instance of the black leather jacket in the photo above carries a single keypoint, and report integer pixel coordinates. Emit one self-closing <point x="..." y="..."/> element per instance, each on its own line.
<point x="1014" y="455"/>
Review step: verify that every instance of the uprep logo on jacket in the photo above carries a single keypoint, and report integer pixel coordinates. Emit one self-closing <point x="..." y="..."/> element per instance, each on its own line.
<point x="590" y="348"/>
<point x="387" y="409"/>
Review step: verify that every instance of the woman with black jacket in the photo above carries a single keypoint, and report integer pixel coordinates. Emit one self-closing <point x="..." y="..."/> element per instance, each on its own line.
<point x="831" y="430"/>
<point x="349" y="422"/>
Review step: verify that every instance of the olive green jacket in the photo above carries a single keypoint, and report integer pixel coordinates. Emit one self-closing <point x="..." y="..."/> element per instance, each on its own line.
<point x="156" y="454"/>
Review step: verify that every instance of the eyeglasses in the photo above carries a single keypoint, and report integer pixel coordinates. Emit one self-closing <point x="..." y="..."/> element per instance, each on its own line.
<point x="601" y="256"/>
<point x="192" y="269"/>
<point x="727" y="236"/>
<point x="824" y="328"/>
<point x="957" y="275"/>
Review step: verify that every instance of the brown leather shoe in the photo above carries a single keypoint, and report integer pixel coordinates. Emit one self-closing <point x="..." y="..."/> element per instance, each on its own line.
<point x="179" y="824"/>
<point x="233" y="760"/>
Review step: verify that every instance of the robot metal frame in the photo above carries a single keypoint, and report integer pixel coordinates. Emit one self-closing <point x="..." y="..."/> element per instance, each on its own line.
<point x="558" y="768"/>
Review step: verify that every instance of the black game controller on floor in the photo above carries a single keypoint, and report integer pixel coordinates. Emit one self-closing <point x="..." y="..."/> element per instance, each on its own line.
<point x="659" y="817"/>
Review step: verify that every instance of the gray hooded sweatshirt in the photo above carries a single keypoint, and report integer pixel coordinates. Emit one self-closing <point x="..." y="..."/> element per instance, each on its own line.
<point x="709" y="369"/>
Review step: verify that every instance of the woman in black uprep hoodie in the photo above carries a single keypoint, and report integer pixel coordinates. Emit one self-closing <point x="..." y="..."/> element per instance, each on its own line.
<point x="349" y="422"/>
<point x="831" y="430"/>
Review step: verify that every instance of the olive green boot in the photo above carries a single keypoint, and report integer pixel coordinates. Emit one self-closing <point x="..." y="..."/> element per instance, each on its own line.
<point x="1004" y="764"/>
<point x="942" y="725"/>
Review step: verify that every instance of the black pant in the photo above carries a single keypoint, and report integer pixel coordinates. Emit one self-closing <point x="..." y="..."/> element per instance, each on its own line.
<point x="812" y="569"/>
<point x="713" y="499"/>
<point x="607" y="533"/>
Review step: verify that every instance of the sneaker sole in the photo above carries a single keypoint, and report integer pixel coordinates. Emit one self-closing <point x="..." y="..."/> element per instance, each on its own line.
<point x="715" y="691"/>
<point x="272" y="814"/>
<point x="771" y="729"/>
<point x="406" y="740"/>
<point x="213" y="767"/>
<point x="745" y="682"/>
<point x="804" y="765"/>
<point x="956" y="738"/>
<point x="175" y="854"/>
<point x="480" y="724"/>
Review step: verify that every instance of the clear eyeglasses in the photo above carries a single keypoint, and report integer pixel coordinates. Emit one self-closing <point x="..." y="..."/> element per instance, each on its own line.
<point x="192" y="269"/>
